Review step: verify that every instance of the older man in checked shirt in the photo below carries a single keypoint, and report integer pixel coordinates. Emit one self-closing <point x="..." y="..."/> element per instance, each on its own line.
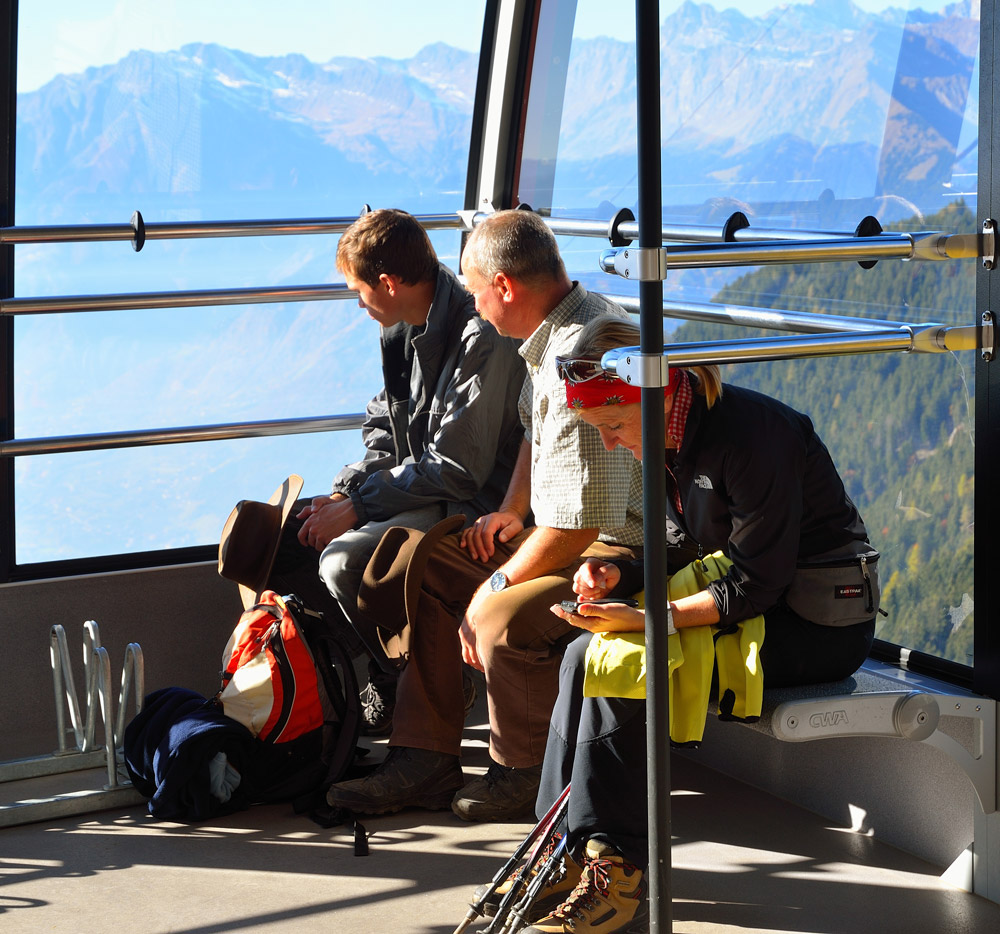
<point x="486" y="592"/>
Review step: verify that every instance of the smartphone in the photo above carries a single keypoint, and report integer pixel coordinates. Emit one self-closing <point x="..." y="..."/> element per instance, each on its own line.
<point x="570" y="605"/>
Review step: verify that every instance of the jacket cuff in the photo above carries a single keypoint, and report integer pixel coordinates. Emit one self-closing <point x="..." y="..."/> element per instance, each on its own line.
<point x="359" y="507"/>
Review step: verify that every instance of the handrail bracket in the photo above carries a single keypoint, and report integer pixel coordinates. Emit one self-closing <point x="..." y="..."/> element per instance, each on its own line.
<point x="989" y="246"/>
<point x="988" y="337"/>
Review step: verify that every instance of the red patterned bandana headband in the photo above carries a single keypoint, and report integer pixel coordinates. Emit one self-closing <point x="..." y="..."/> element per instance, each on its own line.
<point x="606" y="389"/>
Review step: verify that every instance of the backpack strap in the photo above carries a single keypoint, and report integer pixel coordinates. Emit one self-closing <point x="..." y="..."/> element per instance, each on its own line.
<point x="334" y="664"/>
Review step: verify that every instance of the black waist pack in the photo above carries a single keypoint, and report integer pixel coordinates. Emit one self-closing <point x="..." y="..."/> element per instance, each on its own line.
<point x="837" y="588"/>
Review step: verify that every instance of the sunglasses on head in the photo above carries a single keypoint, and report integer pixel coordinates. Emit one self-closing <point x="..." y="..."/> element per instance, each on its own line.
<point x="578" y="369"/>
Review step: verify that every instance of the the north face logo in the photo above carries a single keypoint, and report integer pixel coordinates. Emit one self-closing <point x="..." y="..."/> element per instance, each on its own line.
<point x="702" y="481"/>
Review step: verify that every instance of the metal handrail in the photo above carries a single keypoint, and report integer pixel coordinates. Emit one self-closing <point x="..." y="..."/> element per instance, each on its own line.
<point x="920" y="246"/>
<point x="684" y="233"/>
<point x="226" y="432"/>
<point x="750" y="316"/>
<point x="881" y="335"/>
<point x="458" y="220"/>
<point x="698" y="311"/>
<point x="932" y="338"/>
<point x="141" y="301"/>
<point x="855" y="336"/>
<point x="566" y="226"/>
<point x="621" y="360"/>
<point x="184" y="230"/>
<point x="934" y="245"/>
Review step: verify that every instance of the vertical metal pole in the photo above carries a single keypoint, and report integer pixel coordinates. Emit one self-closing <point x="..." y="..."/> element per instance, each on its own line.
<point x="8" y="98"/>
<point x="986" y="637"/>
<point x="647" y="29"/>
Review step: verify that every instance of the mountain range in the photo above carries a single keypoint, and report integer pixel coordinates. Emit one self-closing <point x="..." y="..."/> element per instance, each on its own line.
<point x="853" y="104"/>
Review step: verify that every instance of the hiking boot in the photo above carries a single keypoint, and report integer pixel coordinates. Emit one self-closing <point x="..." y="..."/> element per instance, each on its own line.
<point x="501" y="794"/>
<point x="557" y="889"/>
<point x="610" y="898"/>
<point x="408" y="777"/>
<point x="378" y="703"/>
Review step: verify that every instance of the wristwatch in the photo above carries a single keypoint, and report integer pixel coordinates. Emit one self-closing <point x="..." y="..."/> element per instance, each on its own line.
<point x="499" y="582"/>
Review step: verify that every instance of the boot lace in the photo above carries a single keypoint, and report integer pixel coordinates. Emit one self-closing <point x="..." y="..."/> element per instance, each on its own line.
<point x="594" y="885"/>
<point x="373" y="703"/>
<point x="496" y="774"/>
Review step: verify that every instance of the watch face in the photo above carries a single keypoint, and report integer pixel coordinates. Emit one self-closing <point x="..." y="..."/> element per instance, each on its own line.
<point x="498" y="581"/>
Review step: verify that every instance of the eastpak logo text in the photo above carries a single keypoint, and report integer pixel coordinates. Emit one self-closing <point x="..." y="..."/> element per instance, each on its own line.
<point x="848" y="592"/>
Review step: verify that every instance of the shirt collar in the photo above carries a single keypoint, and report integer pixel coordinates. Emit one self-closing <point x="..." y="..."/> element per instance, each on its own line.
<point x="534" y="349"/>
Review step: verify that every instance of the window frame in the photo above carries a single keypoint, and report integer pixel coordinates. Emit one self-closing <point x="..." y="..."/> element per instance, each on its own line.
<point x="10" y="570"/>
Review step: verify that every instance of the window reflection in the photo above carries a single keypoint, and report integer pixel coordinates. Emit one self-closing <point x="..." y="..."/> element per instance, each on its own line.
<point x="809" y="116"/>
<point x="189" y="111"/>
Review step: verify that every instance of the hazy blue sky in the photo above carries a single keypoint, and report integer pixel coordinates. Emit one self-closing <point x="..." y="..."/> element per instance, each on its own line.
<point x="65" y="36"/>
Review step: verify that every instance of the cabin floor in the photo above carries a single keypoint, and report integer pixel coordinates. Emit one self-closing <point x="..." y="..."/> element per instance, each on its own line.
<point x="742" y="861"/>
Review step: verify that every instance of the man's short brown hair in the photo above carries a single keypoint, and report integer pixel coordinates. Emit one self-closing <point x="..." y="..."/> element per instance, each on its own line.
<point x="387" y="241"/>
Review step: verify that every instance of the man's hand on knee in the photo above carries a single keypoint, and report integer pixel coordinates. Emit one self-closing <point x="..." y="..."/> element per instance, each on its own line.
<point x="318" y="502"/>
<point x="480" y="537"/>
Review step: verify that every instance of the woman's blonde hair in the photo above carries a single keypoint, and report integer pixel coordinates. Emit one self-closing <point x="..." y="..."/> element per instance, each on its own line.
<point x="609" y="331"/>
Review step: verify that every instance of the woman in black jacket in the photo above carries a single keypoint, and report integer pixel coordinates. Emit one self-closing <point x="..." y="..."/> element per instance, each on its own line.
<point x="748" y="476"/>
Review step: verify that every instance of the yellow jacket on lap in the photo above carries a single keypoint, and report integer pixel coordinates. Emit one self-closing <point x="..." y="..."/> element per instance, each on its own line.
<point x="616" y="662"/>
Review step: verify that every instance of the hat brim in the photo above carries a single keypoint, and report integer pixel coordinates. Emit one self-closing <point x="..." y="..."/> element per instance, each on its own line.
<point x="418" y="562"/>
<point x="399" y="561"/>
<point x="283" y="498"/>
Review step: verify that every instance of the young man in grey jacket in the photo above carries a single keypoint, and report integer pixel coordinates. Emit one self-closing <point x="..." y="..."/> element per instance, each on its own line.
<point x="441" y="437"/>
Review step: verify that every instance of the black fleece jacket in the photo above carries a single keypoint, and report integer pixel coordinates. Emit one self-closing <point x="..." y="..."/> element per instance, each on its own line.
<point x="757" y="483"/>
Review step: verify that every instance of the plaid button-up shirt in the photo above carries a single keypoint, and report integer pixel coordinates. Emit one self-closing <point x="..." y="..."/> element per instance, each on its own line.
<point x="575" y="482"/>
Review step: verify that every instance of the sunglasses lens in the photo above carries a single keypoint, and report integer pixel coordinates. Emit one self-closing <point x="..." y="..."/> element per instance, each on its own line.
<point x="578" y="370"/>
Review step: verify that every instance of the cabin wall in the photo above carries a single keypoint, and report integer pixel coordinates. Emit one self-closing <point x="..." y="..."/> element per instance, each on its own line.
<point x="180" y="616"/>
<point x="905" y="793"/>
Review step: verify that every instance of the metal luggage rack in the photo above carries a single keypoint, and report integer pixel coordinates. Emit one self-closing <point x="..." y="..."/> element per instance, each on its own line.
<point x="85" y="753"/>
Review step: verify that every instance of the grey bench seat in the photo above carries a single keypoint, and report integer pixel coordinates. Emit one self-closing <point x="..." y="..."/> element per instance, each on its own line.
<point x="882" y="700"/>
<point x="867" y="703"/>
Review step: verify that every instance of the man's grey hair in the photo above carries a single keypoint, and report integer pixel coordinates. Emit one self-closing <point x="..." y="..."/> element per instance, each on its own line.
<point x="516" y="243"/>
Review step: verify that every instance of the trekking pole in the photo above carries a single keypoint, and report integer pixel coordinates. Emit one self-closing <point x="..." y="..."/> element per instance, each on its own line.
<point x="518" y="915"/>
<point x="541" y="828"/>
<point x="558" y="812"/>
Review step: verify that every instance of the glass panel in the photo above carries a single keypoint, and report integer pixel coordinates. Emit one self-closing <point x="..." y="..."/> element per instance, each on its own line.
<point x="188" y="111"/>
<point x="809" y="116"/>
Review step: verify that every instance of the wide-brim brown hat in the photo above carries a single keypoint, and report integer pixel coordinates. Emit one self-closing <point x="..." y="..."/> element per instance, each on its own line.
<point x="251" y="536"/>
<point x="390" y="585"/>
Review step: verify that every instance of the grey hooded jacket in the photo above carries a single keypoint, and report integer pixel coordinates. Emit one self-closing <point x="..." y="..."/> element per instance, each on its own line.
<point x="445" y="427"/>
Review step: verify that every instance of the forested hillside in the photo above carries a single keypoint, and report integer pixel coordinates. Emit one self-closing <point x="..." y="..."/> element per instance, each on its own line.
<point x="899" y="426"/>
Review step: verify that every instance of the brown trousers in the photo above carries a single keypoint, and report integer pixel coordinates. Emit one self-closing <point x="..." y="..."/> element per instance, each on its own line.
<point x="519" y="641"/>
